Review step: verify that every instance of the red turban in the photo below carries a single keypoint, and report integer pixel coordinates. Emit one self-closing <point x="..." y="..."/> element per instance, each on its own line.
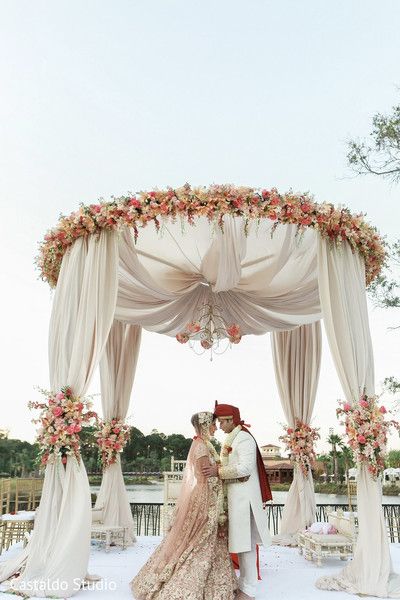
<point x="227" y="410"/>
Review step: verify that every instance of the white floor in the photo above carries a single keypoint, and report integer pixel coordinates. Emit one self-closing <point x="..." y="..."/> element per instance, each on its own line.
<point x="285" y="574"/>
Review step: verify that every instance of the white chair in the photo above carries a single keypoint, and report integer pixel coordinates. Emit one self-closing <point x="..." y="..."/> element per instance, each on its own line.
<point x="317" y="546"/>
<point x="172" y="486"/>
<point x="107" y="534"/>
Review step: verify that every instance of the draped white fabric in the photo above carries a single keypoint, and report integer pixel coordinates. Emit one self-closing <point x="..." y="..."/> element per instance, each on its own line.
<point x="117" y="372"/>
<point x="297" y="359"/>
<point x="344" y="307"/>
<point x="57" y="556"/>
<point x="261" y="283"/>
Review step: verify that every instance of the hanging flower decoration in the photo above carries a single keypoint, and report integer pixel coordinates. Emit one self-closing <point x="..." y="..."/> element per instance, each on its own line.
<point x="367" y="430"/>
<point x="112" y="437"/>
<point x="137" y="210"/>
<point x="210" y="329"/>
<point x="61" y="420"/>
<point x="299" y="442"/>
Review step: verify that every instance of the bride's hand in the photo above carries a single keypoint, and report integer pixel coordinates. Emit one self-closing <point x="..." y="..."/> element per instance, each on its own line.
<point x="210" y="471"/>
<point x="222" y="531"/>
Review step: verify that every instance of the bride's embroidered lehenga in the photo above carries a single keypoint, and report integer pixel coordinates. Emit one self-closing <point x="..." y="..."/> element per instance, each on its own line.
<point x="192" y="562"/>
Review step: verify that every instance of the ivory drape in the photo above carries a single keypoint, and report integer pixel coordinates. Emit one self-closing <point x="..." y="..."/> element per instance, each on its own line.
<point x="297" y="359"/>
<point x="57" y="555"/>
<point x="344" y="308"/>
<point x="262" y="284"/>
<point x="117" y="372"/>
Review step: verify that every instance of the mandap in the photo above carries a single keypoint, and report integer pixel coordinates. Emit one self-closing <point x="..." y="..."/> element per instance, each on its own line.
<point x="230" y="261"/>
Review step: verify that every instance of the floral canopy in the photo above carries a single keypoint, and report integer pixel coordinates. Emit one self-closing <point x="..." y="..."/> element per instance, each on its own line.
<point x="271" y="263"/>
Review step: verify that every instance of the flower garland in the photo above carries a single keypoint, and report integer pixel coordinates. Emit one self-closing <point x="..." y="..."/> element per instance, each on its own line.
<point x="227" y="445"/>
<point x="112" y="436"/>
<point x="224" y="460"/>
<point x="61" y="420"/>
<point x="299" y="442"/>
<point x="137" y="210"/>
<point x="367" y="431"/>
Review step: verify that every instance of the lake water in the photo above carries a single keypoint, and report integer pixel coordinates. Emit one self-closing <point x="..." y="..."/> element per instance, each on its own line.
<point x="154" y="492"/>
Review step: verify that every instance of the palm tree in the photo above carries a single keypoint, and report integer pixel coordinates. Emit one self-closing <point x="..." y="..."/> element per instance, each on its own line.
<point x="335" y="441"/>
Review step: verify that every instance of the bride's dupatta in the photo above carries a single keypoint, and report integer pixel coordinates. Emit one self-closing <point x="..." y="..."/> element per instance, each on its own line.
<point x="192" y="561"/>
<point x="191" y="514"/>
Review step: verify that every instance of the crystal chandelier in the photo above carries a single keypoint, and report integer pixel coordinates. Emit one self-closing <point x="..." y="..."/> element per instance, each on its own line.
<point x="209" y="332"/>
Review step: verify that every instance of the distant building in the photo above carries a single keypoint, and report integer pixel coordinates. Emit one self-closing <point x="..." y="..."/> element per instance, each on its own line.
<point x="279" y="472"/>
<point x="279" y="469"/>
<point x="269" y="451"/>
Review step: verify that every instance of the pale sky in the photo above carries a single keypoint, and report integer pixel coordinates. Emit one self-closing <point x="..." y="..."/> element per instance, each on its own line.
<point x="99" y="98"/>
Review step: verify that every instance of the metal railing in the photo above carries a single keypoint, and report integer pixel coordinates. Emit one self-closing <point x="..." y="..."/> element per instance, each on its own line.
<point x="148" y="517"/>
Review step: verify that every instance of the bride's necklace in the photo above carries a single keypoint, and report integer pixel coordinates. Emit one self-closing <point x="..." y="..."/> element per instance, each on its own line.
<point x="227" y="447"/>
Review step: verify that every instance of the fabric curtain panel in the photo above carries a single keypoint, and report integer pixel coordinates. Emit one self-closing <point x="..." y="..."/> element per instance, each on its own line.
<point x="341" y="276"/>
<point x="117" y="372"/>
<point x="58" y="553"/>
<point x="297" y="360"/>
<point x="261" y="283"/>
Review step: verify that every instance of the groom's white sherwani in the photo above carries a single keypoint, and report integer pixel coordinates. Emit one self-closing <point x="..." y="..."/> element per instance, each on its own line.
<point x="244" y="497"/>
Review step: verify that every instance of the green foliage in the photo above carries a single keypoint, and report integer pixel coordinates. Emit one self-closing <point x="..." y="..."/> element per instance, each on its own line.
<point x="393" y="459"/>
<point x="382" y="155"/>
<point x="17" y="458"/>
<point x="143" y="453"/>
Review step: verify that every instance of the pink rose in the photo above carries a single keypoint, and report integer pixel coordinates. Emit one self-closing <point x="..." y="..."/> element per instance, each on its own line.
<point x="383" y="410"/>
<point x="53" y="439"/>
<point x="77" y="428"/>
<point x="364" y="403"/>
<point x="205" y="344"/>
<point x="290" y="430"/>
<point x="57" y="411"/>
<point x="346" y="407"/>
<point x="361" y="439"/>
<point x="182" y="338"/>
<point x="70" y="429"/>
<point x="60" y="396"/>
<point x="116" y="430"/>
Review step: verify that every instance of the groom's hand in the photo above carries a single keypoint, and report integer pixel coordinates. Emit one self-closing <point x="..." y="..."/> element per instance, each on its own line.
<point x="210" y="471"/>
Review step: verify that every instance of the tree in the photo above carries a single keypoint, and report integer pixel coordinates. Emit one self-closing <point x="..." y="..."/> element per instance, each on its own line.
<point x="381" y="156"/>
<point x="335" y="441"/>
<point x="393" y="459"/>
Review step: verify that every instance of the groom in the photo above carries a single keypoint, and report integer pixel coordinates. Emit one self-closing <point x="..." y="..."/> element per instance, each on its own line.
<point x="242" y="469"/>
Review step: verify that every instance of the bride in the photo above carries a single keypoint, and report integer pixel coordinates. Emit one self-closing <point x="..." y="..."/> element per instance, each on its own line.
<point x="192" y="562"/>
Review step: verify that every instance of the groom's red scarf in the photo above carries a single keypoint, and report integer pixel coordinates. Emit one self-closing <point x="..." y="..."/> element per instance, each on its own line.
<point x="227" y="410"/>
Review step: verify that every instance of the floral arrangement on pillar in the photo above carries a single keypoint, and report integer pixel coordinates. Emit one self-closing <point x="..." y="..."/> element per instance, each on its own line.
<point x="60" y="421"/>
<point x="367" y="429"/>
<point x="299" y="442"/>
<point x="112" y="437"/>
